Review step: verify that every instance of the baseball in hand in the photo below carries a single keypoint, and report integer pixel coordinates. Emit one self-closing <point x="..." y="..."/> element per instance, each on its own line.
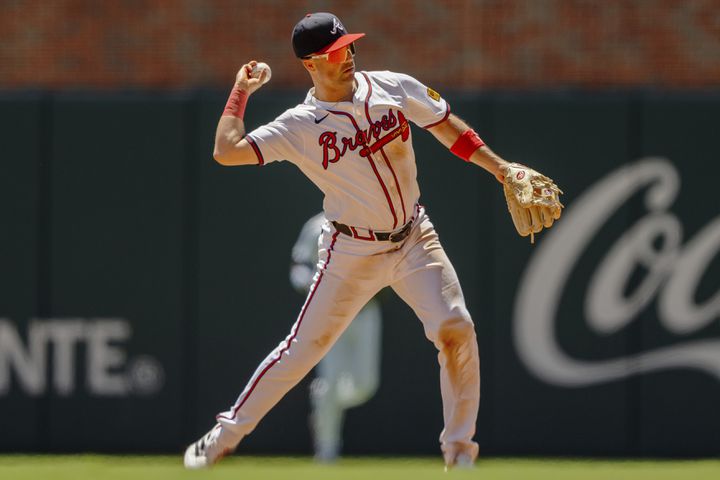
<point x="258" y="70"/>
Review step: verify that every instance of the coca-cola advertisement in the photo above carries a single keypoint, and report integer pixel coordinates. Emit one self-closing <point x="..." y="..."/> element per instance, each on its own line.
<point x="606" y="334"/>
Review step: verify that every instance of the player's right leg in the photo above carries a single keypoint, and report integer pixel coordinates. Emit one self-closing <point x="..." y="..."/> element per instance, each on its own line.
<point x="343" y="284"/>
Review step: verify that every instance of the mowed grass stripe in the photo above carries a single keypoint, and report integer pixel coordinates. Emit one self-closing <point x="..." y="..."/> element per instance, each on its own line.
<point x="111" y="467"/>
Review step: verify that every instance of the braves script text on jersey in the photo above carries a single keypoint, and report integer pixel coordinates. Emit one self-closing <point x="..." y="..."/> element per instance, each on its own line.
<point x="359" y="153"/>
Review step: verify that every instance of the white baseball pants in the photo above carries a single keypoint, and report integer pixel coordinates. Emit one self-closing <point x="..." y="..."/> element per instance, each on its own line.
<point x="350" y="272"/>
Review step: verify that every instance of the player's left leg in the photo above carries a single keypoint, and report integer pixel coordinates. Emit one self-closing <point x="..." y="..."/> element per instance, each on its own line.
<point x="428" y="283"/>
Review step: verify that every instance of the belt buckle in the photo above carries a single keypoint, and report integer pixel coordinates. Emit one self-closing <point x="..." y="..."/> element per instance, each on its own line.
<point x="399" y="236"/>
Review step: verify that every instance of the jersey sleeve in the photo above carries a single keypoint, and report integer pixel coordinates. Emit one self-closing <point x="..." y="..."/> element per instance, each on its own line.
<point x="423" y="105"/>
<point x="278" y="140"/>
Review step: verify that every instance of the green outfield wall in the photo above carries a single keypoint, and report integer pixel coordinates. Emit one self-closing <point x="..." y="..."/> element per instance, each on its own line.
<point x="141" y="283"/>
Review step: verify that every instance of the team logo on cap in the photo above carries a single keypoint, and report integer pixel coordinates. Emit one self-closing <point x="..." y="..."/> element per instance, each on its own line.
<point x="337" y="26"/>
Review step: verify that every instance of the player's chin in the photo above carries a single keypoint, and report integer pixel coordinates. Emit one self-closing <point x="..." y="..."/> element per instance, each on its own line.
<point x="348" y="72"/>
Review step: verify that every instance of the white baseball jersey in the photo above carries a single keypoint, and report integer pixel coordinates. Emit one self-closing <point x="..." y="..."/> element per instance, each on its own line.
<point x="358" y="153"/>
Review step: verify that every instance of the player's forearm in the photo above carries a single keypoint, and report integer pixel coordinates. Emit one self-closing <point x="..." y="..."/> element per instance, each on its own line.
<point x="230" y="147"/>
<point x="484" y="157"/>
<point x="471" y="149"/>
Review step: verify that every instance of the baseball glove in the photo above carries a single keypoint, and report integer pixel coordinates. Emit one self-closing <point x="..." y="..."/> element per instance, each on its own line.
<point x="532" y="198"/>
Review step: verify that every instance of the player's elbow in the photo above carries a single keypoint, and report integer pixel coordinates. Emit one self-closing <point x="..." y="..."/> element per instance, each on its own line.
<point x="223" y="157"/>
<point x="230" y="155"/>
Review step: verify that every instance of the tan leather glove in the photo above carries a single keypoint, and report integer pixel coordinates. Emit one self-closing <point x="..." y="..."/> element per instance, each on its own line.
<point x="532" y="198"/>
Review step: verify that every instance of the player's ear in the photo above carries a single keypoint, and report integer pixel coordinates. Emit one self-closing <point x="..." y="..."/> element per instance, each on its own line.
<point x="309" y="65"/>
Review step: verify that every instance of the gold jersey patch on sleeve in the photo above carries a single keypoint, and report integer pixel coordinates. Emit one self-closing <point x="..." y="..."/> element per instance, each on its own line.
<point x="433" y="94"/>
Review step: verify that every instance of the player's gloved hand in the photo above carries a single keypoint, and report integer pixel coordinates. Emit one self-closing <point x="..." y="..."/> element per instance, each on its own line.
<point x="532" y="198"/>
<point x="246" y="81"/>
<point x="301" y="277"/>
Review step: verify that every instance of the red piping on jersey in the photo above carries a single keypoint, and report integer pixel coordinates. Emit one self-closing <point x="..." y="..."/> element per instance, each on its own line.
<point x="387" y="162"/>
<point x="372" y="164"/>
<point x="367" y="97"/>
<point x="293" y="335"/>
<point x="402" y="202"/>
<point x="447" y="114"/>
<point x="252" y="143"/>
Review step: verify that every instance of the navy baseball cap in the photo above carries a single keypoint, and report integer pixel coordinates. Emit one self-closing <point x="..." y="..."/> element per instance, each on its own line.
<point x="319" y="33"/>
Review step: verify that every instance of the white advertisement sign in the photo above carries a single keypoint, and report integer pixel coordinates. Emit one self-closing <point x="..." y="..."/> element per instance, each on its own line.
<point x="49" y="359"/>
<point x="674" y="265"/>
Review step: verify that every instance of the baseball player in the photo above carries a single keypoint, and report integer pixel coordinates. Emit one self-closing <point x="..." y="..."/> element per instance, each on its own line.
<point x="348" y="375"/>
<point x="351" y="136"/>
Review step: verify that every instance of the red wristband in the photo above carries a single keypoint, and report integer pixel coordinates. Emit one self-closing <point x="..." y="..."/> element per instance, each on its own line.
<point x="236" y="103"/>
<point x="466" y="144"/>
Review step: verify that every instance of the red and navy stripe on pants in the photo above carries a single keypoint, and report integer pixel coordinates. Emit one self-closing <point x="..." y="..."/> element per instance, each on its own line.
<point x="289" y="340"/>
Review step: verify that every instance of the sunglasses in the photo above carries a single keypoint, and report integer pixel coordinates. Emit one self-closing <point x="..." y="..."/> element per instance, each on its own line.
<point x="336" y="56"/>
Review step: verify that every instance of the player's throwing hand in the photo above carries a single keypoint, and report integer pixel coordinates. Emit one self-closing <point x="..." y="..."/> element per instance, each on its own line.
<point x="245" y="79"/>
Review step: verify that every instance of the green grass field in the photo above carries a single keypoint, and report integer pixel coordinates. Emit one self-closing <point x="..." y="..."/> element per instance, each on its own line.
<point x="74" y="467"/>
